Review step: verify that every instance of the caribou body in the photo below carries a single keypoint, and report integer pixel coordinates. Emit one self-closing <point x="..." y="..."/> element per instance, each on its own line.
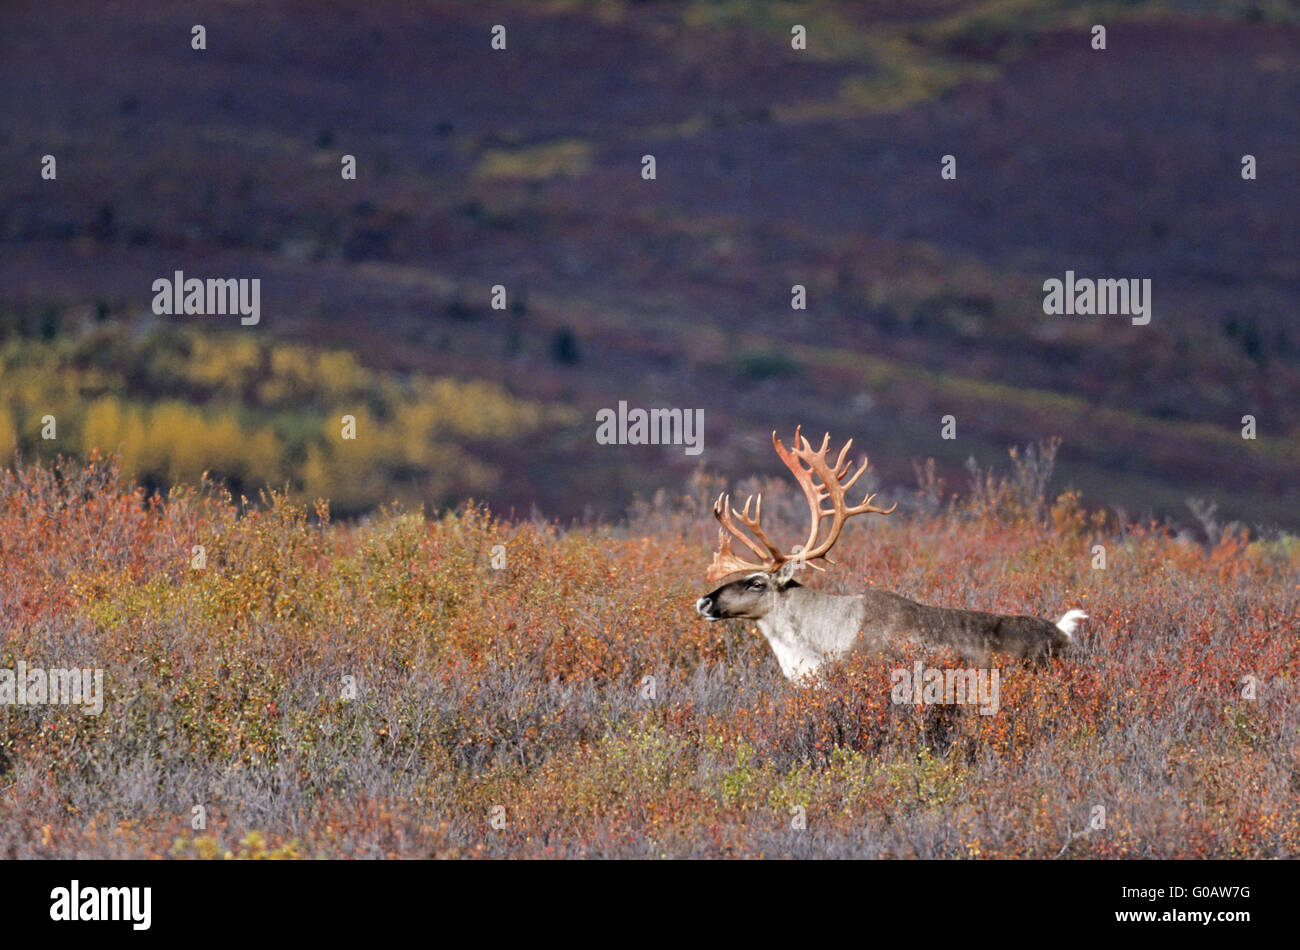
<point x="807" y="628"/>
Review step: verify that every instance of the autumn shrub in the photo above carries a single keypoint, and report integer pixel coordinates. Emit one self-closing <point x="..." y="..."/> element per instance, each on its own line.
<point x="176" y="405"/>
<point x="457" y="685"/>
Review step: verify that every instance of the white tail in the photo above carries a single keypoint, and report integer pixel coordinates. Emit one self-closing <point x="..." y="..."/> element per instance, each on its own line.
<point x="1069" y="622"/>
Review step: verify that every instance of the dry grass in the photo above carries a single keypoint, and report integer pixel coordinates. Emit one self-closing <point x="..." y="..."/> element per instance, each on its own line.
<point x="524" y="687"/>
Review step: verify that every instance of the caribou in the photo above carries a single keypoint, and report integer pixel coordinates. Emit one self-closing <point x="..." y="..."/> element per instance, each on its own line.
<point x="808" y="628"/>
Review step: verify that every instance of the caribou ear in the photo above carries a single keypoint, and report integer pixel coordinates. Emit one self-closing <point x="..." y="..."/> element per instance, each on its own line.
<point x="784" y="576"/>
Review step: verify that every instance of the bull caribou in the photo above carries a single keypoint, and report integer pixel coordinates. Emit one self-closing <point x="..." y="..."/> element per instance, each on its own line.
<point x="807" y="628"/>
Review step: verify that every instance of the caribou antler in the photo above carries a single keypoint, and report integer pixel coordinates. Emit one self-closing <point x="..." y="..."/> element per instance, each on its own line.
<point x="832" y="487"/>
<point x="725" y="561"/>
<point x="819" y="481"/>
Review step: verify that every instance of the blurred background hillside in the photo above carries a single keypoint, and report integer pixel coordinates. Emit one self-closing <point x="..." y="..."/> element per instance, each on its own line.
<point x="775" y="167"/>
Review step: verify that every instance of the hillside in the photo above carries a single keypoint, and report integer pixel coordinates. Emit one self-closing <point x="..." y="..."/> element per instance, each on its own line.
<point x="775" y="167"/>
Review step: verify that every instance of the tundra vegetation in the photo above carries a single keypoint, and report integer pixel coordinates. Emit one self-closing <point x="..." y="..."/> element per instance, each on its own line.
<point x="179" y="404"/>
<point x="378" y="687"/>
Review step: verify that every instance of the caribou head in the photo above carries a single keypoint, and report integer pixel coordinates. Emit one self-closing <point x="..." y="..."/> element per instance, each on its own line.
<point x="771" y="576"/>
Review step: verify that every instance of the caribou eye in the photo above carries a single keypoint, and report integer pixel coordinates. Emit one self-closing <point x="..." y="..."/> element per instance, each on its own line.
<point x="757" y="585"/>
